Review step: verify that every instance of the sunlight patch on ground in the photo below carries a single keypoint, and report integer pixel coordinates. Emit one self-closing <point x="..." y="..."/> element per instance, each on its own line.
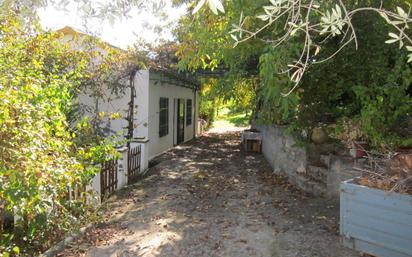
<point x="151" y="244"/>
<point x="173" y="175"/>
<point x="225" y="129"/>
<point x="228" y="120"/>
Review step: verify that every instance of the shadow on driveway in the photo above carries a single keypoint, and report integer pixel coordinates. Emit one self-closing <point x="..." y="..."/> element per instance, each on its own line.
<point x="207" y="198"/>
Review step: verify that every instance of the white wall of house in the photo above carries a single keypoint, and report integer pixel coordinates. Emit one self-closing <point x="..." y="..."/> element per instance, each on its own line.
<point x="141" y="110"/>
<point x="196" y="118"/>
<point x="149" y="89"/>
<point x="158" y="89"/>
<point x="141" y="118"/>
<point x="145" y="116"/>
<point x="109" y="103"/>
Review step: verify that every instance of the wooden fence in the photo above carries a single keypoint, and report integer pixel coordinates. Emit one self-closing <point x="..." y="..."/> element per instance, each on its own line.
<point x="133" y="163"/>
<point x="109" y="174"/>
<point x="108" y="178"/>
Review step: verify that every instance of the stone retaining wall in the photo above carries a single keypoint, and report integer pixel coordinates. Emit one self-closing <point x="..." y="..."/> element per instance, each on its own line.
<point x="316" y="169"/>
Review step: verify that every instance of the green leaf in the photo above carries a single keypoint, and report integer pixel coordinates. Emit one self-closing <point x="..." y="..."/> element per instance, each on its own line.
<point x="263" y="17"/>
<point x="293" y="32"/>
<point x="234" y="37"/>
<point x="277" y="2"/>
<point x="385" y="16"/>
<point x="339" y="10"/>
<point x="391" y="41"/>
<point x="198" y="6"/>
<point x="393" y="35"/>
<point x="401" y="12"/>
<point x="409" y="58"/>
<point x="16" y="250"/>
<point x="216" y="6"/>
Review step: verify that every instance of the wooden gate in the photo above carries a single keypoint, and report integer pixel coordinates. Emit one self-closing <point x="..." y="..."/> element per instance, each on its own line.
<point x="108" y="178"/>
<point x="133" y="163"/>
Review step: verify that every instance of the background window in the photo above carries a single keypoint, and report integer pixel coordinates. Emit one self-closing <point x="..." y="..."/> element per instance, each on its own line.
<point x="189" y="112"/>
<point x="163" y="116"/>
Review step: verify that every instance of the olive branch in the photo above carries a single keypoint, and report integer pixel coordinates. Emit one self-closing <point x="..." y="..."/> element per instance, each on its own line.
<point x="313" y="20"/>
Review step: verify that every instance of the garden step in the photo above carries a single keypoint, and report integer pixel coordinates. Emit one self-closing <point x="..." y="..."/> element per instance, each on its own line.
<point x="325" y="160"/>
<point x="318" y="153"/>
<point x="318" y="173"/>
<point x="307" y="184"/>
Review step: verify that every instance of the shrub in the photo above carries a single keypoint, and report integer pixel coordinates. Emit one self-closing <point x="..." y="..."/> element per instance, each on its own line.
<point x="40" y="159"/>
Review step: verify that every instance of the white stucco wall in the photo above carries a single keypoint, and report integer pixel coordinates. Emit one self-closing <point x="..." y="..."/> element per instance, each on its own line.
<point x="146" y="109"/>
<point x="141" y="114"/>
<point x="196" y="118"/>
<point x="158" y="89"/>
<point x="109" y="103"/>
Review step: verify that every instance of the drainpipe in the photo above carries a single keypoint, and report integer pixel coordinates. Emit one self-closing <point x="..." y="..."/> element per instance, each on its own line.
<point x="194" y="118"/>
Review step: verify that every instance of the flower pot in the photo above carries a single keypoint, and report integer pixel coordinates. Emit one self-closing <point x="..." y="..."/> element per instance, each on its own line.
<point x="319" y="135"/>
<point x="359" y="149"/>
<point x="374" y="221"/>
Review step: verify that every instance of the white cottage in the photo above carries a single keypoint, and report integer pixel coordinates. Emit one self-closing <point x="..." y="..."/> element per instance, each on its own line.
<point x="162" y="105"/>
<point x="166" y="110"/>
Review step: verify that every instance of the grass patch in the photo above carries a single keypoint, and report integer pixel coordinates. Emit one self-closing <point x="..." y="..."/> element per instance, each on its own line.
<point x="228" y="118"/>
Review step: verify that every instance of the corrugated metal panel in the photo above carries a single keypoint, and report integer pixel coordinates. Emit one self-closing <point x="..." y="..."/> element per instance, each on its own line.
<point x="376" y="222"/>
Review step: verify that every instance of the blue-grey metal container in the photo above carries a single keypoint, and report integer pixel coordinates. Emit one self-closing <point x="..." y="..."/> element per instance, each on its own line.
<point x="374" y="221"/>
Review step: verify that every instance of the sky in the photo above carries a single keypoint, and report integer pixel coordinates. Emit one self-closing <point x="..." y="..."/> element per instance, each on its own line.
<point x="122" y="33"/>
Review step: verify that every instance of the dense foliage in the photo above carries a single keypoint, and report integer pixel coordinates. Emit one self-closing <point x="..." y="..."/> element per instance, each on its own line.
<point x="205" y="44"/>
<point x="370" y="84"/>
<point x="42" y="147"/>
<point x="238" y="94"/>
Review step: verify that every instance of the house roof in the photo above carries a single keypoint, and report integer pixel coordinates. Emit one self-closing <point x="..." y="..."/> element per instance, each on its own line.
<point x="67" y="30"/>
<point x="172" y="76"/>
<point x="182" y="79"/>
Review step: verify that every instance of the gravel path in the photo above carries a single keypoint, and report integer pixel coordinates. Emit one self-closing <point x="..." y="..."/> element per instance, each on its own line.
<point x="207" y="198"/>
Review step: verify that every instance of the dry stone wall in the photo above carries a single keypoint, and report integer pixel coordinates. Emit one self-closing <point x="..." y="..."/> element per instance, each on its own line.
<point x="316" y="169"/>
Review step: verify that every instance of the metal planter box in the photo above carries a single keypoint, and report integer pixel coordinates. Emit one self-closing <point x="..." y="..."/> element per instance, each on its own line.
<point x="374" y="221"/>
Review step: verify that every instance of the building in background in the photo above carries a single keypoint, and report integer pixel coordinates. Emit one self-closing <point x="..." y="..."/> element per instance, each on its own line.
<point x="158" y="107"/>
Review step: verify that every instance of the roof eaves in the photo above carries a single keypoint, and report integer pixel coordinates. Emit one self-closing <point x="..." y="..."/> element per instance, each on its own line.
<point x="67" y="30"/>
<point x="174" y="74"/>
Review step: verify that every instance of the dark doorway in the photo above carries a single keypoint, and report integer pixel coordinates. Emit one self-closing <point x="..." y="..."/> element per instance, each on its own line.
<point x="180" y="121"/>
